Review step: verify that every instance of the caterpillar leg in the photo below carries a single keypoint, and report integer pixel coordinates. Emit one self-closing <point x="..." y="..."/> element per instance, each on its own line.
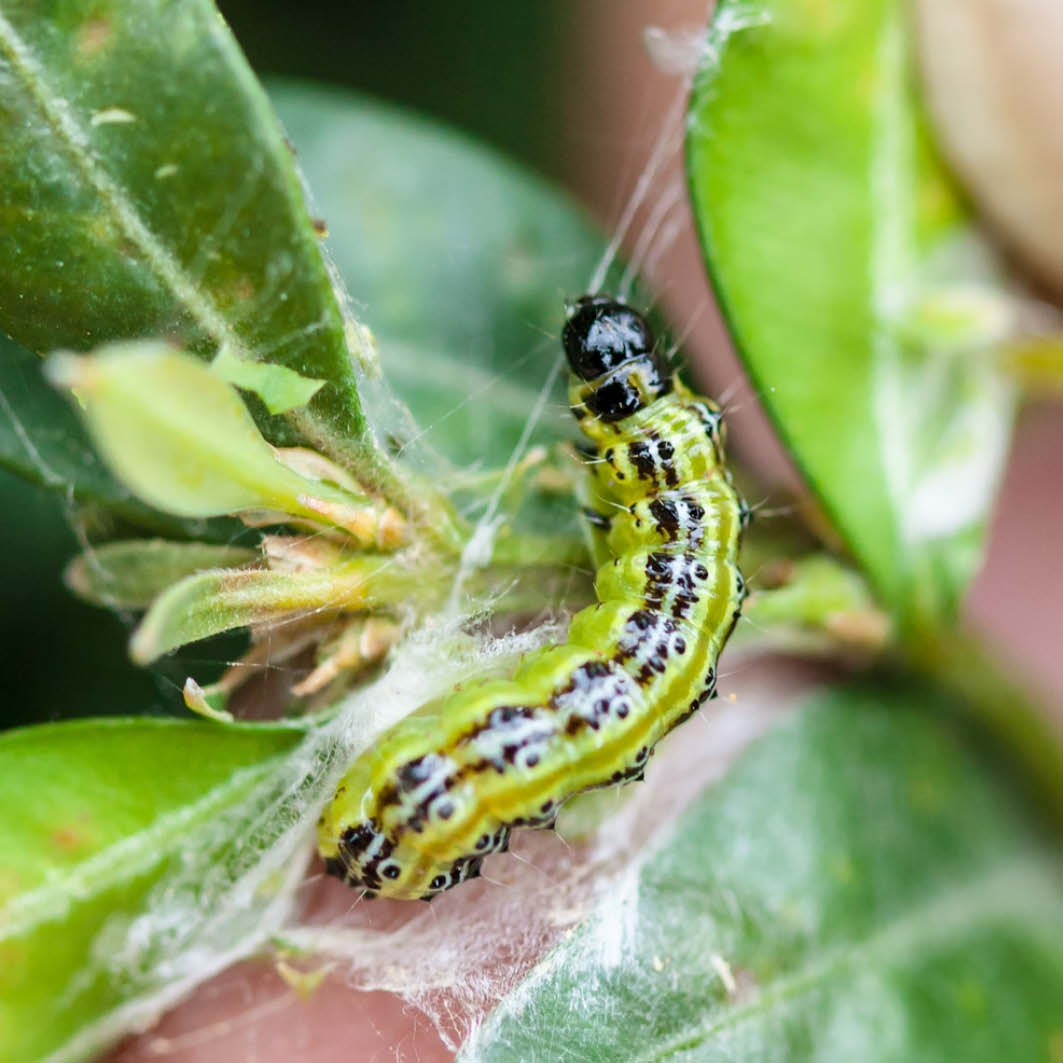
<point x="597" y="520"/>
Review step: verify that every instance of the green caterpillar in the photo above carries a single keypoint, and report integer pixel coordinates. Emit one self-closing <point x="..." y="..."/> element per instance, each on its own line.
<point x="444" y="787"/>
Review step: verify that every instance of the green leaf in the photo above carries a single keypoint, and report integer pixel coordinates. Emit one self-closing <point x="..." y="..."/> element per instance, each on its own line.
<point x="857" y="888"/>
<point x="814" y="603"/>
<point x="280" y="389"/>
<point x="128" y="574"/>
<point x="147" y="191"/>
<point x="41" y="438"/>
<point x="209" y="603"/>
<point x="97" y="814"/>
<point x="43" y="441"/>
<point x="825" y="218"/>
<point x="182" y="440"/>
<point x="461" y="259"/>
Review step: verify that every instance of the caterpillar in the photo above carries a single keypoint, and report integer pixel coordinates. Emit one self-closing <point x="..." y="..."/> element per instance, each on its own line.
<point x="416" y="814"/>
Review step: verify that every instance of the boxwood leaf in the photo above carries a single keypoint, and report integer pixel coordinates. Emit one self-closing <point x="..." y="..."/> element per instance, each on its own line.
<point x="95" y="812"/>
<point x="829" y="225"/>
<point x="280" y="389"/>
<point x="178" y="435"/>
<point x="209" y="603"/>
<point x="858" y="887"/>
<point x="128" y="574"/>
<point x="148" y="191"/>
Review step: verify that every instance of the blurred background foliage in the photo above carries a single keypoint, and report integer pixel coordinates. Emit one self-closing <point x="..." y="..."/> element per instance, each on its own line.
<point x="503" y="84"/>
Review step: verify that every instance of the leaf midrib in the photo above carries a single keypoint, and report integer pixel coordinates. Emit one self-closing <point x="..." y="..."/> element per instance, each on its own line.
<point x="160" y="259"/>
<point x="123" y="860"/>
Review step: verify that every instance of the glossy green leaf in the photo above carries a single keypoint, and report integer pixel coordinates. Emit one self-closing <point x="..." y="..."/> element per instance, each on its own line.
<point x="827" y="221"/>
<point x="858" y="887"/>
<point x="468" y="345"/>
<point x="460" y="261"/>
<point x="147" y="191"/>
<point x="95" y="815"/>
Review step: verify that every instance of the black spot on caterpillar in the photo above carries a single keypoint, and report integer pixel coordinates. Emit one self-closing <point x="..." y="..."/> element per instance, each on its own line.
<point x="417" y="813"/>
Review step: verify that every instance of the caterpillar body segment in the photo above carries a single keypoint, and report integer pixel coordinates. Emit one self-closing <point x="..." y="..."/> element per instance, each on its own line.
<point x="446" y="786"/>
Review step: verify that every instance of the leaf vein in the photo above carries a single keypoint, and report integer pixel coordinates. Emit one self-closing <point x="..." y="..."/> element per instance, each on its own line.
<point x="160" y="258"/>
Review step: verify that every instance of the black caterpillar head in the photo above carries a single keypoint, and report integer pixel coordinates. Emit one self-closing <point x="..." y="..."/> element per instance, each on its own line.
<point x="602" y="333"/>
<point x="611" y="348"/>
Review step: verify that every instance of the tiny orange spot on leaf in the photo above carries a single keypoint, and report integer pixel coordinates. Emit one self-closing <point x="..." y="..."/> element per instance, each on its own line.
<point x="93" y="37"/>
<point x="73" y="838"/>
